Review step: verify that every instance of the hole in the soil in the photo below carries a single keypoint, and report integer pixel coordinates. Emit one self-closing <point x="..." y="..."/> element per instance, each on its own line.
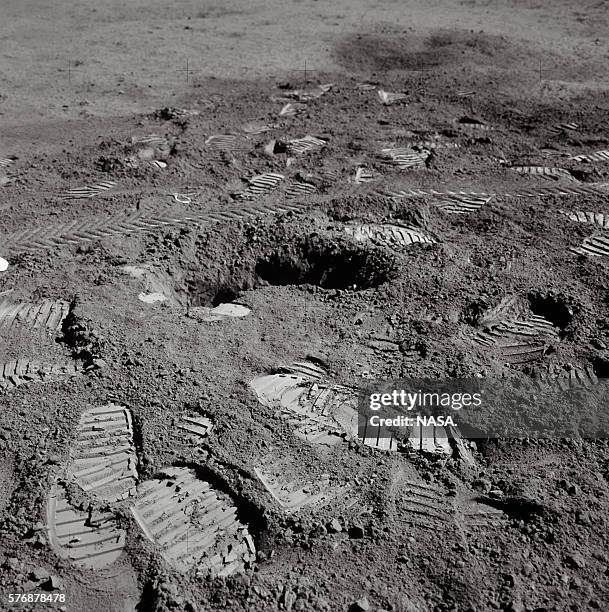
<point x="470" y="121"/>
<point x="149" y="598"/>
<point x="371" y="52"/>
<point x="205" y="293"/>
<point x="397" y="51"/>
<point x="327" y="268"/>
<point x="224" y="295"/>
<point x="551" y="308"/>
<point x="473" y="312"/>
<point x="520" y="508"/>
<point x="600" y="366"/>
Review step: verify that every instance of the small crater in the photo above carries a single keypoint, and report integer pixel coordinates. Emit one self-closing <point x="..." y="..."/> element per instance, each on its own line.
<point x="372" y="52"/>
<point x="553" y="309"/>
<point x="600" y="366"/>
<point x="400" y="51"/>
<point x="224" y="294"/>
<point x="519" y="508"/>
<point x="223" y="291"/>
<point x="474" y="312"/>
<point x="327" y="266"/>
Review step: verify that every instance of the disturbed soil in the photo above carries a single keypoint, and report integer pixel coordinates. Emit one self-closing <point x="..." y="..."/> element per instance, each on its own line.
<point x="489" y="85"/>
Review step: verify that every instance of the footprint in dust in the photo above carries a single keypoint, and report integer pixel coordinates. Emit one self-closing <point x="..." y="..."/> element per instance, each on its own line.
<point x="102" y="463"/>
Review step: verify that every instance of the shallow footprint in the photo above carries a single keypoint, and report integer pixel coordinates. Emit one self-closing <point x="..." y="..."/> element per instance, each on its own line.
<point x="88" y="539"/>
<point x="194" y="525"/>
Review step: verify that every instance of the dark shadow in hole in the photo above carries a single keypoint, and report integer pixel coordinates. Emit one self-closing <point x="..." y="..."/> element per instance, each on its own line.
<point x="325" y="268"/>
<point x="224" y="295"/>
<point x="600" y="366"/>
<point x="520" y="508"/>
<point x="223" y="291"/>
<point x="553" y="309"/>
<point x="148" y="599"/>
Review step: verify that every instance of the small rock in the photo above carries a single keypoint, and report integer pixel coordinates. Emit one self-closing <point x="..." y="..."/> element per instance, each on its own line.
<point x="288" y="599"/>
<point x="55" y="582"/>
<point x="575" y="583"/>
<point x="334" y="526"/>
<point x="28" y="585"/>
<point x="575" y="560"/>
<point x="320" y="603"/>
<point x="53" y="459"/>
<point x="243" y="580"/>
<point x="170" y="588"/>
<point x="528" y="569"/>
<point x="572" y="489"/>
<point x="318" y="532"/>
<point x="269" y="149"/>
<point x="361" y="605"/>
<point x="356" y="531"/>
<point x="39" y="574"/>
<point x="583" y="518"/>
<point x="260" y="591"/>
<point x="100" y="363"/>
<point x="11" y="563"/>
<point x="601" y="556"/>
<point x="481" y="484"/>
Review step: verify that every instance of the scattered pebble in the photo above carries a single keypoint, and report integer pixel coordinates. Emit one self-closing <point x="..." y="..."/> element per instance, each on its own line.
<point x="3" y="264"/>
<point x="481" y="484"/>
<point x="39" y="574"/>
<point x="11" y="563"/>
<point x="361" y="605"/>
<point x="528" y="569"/>
<point x="54" y="583"/>
<point x="572" y="489"/>
<point x="583" y="518"/>
<point x="575" y="560"/>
